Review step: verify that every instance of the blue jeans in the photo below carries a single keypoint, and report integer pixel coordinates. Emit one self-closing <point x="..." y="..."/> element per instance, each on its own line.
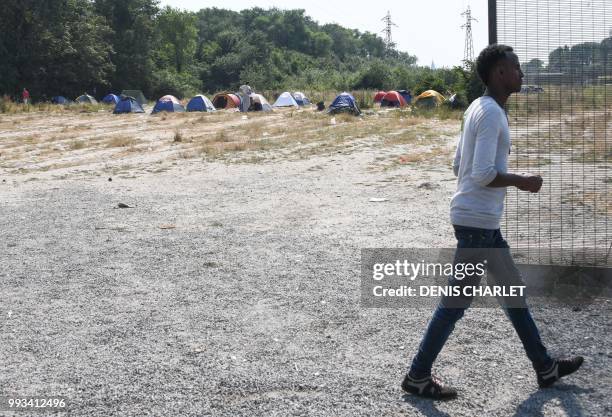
<point x="444" y="318"/>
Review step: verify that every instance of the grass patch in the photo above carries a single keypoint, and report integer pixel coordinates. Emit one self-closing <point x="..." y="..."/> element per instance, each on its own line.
<point x="76" y="145"/>
<point x="121" y="142"/>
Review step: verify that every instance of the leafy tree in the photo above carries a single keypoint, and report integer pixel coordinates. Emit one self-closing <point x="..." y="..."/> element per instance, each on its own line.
<point x="178" y="34"/>
<point x="534" y="65"/>
<point x="133" y="25"/>
<point x="375" y="76"/>
<point x="59" y="47"/>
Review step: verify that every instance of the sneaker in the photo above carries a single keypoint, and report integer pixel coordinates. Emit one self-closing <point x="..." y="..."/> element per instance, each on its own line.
<point x="429" y="387"/>
<point x="559" y="368"/>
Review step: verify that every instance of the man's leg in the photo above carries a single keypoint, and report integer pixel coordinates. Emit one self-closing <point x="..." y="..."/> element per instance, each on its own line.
<point x="449" y="311"/>
<point x="504" y="272"/>
<point x="440" y="327"/>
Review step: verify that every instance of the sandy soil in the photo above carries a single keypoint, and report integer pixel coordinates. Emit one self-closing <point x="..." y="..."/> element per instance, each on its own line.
<point x="231" y="287"/>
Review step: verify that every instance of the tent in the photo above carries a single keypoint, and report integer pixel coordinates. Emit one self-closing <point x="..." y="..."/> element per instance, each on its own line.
<point x="127" y="104"/>
<point x="393" y="99"/>
<point x="86" y="99"/>
<point x="259" y="103"/>
<point x="60" y="100"/>
<point x="406" y="95"/>
<point x="285" y="100"/>
<point x="429" y="98"/>
<point x="344" y="103"/>
<point x="110" y="99"/>
<point x="301" y="99"/>
<point x="136" y="94"/>
<point x="169" y="104"/>
<point x="226" y="101"/>
<point x="379" y="96"/>
<point x="200" y="103"/>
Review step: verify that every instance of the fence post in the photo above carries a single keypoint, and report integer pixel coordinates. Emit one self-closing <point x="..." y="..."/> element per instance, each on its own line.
<point x="492" y="22"/>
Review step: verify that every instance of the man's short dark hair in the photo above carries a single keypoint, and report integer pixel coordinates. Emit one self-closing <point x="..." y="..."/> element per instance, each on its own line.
<point x="488" y="59"/>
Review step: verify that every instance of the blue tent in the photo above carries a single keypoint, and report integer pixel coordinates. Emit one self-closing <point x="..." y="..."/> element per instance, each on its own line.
<point x="60" y="100"/>
<point x="169" y="104"/>
<point x="406" y="94"/>
<point x="110" y="99"/>
<point x="344" y="103"/>
<point x="200" y="103"/>
<point x="128" y="104"/>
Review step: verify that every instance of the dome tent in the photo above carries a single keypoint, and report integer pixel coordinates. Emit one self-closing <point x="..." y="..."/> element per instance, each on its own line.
<point x="344" y="103"/>
<point x="200" y="103"/>
<point x="406" y="95"/>
<point x="379" y="96"/>
<point x="60" y="100"/>
<point x="259" y="103"/>
<point x="226" y="101"/>
<point x="393" y="99"/>
<point x="110" y="99"/>
<point x="86" y="99"/>
<point x="127" y="104"/>
<point x="168" y="104"/>
<point x="136" y="94"/>
<point x="301" y="99"/>
<point x="285" y="100"/>
<point x="429" y="98"/>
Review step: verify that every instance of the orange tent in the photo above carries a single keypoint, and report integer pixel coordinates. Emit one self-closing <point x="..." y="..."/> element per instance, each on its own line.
<point x="393" y="99"/>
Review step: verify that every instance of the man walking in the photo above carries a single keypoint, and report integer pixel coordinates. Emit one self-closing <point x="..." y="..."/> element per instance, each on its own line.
<point x="25" y="95"/>
<point x="481" y="165"/>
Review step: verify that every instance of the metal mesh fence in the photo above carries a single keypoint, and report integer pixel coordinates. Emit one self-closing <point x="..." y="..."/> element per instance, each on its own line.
<point x="561" y="127"/>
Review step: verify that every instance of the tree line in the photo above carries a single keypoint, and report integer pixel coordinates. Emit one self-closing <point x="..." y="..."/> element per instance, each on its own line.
<point x="67" y="47"/>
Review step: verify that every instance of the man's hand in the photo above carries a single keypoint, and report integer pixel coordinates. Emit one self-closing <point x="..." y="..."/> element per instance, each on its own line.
<point x="531" y="183"/>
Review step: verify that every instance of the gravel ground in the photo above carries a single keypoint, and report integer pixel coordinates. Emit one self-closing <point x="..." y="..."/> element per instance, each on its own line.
<point x="233" y="290"/>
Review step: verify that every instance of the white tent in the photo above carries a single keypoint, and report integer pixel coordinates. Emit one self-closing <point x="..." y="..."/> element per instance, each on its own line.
<point x="259" y="103"/>
<point x="285" y="100"/>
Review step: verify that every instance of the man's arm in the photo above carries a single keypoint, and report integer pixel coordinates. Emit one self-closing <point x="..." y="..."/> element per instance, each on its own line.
<point x="531" y="183"/>
<point x="457" y="160"/>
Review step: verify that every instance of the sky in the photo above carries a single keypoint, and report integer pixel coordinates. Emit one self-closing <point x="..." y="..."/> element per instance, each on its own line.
<point x="429" y="29"/>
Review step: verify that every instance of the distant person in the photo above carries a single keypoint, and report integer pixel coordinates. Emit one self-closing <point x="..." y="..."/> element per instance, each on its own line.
<point x="25" y="95"/>
<point x="481" y="165"/>
<point x="245" y="92"/>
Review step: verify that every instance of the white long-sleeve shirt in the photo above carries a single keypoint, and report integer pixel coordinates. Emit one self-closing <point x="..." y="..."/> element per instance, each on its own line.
<point x="481" y="154"/>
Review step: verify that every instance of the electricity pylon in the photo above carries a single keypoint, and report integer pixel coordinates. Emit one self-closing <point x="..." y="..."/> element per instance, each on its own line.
<point x="469" y="42"/>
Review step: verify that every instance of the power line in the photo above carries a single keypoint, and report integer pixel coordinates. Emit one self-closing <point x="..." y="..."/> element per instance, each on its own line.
<point x="387" y="31"/>
<point x="469" y="42"/>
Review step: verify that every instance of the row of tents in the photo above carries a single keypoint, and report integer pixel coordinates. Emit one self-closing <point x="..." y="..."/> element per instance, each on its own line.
<point x="201" y="103"/>
<point x="133" y="101"/>
<point x="402" y="98"/>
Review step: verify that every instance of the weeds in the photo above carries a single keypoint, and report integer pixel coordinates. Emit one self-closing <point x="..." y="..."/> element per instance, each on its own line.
<point x="178" y="136"/>
<point x="76" y="144"/>
<point x="121" y="141"/>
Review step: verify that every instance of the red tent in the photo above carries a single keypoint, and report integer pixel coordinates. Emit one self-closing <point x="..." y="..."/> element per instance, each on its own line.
<point x="379" y="96"/>
<point x="393" y="99"/>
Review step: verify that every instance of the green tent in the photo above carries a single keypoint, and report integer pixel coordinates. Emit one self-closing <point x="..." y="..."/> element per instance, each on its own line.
<point x="137" y="94"/>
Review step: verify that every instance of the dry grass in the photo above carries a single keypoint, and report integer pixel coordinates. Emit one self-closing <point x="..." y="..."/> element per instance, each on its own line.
<point x="77" y="144"/>
<point x="121" y="142"/>
<point x="178" y="136"/>
<point x="221" y="135"/>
